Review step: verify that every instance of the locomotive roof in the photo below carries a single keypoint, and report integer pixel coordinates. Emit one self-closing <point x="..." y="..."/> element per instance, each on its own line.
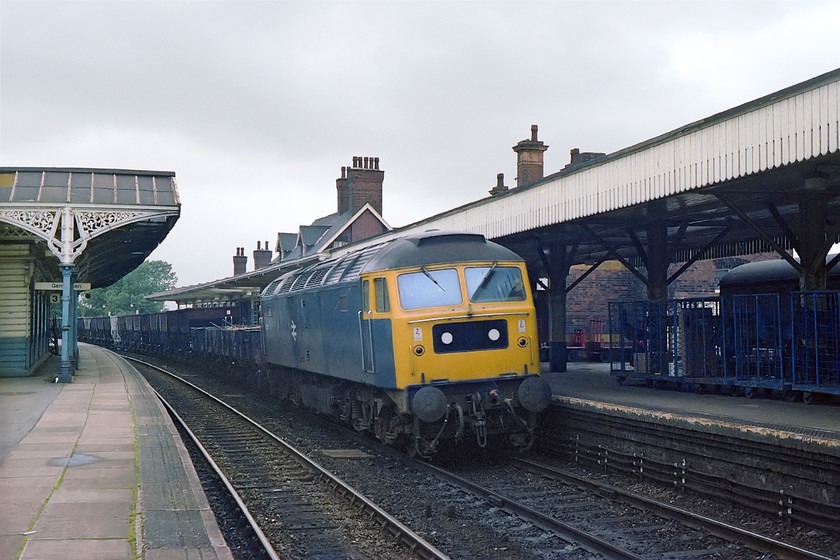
<point x="438" y="247"/>
<point x="415" y="250"/>
<point x="767" y="271"/>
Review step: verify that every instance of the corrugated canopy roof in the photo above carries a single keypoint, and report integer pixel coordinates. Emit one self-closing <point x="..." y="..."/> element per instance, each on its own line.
<point x="118" y="216"/>
<point x="88" y="186"/>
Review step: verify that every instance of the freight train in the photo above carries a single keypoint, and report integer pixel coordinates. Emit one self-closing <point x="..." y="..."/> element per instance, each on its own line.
<point x="419" y="340"/>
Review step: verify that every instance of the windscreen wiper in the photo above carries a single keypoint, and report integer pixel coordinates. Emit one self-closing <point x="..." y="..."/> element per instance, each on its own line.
<point x="429" y="276"/>
<point x="485" y="279"/>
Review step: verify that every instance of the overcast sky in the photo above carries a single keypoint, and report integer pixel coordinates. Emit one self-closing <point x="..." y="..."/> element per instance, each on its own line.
<point x="256" y="106"/>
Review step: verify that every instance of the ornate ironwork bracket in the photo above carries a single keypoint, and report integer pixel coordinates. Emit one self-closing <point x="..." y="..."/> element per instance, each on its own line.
<point x="68" y="230"/>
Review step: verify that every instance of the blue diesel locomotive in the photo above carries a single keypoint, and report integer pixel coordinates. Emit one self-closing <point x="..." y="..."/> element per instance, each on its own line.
<point x="419" y="339"/>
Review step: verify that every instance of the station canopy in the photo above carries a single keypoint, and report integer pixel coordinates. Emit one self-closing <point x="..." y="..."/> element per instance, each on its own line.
<point x="105" y="221"/>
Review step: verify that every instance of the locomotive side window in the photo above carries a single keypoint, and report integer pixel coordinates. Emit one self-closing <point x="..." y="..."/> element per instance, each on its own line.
<point x="382" y="301"/>
<point x="366" y="296"/>
<point x="494" y="283"/>
<point x="429" y="288"/>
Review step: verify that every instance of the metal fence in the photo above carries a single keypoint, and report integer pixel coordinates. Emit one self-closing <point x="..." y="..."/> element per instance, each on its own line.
<point x="744" y="342"/>
<point x="815" y="341"/>
<point x="670" y="340"/>
<point x="753" y="343"/>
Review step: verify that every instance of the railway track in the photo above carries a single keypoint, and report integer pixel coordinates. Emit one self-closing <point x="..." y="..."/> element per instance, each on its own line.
<point x="610" y="521"/>
<point x="302" y="510"/>
<point x="508" y="510"/>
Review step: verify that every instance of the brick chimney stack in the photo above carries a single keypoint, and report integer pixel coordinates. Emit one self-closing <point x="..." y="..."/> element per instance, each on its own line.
<point x="262" y="256"/>
<point x="529" y="159"/>
<point x="360" y="184"/>
<point x="578" y="158"/>
<point x="240" y="261"/>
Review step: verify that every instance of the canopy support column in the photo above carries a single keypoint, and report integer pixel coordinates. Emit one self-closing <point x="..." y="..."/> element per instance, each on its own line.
<point x="66" y="368"/>
<point x="557" y="264"/>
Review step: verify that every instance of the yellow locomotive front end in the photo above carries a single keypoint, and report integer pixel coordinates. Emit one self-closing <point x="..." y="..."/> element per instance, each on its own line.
<point x="466" y="352"/>
<point x="464" y="323"/>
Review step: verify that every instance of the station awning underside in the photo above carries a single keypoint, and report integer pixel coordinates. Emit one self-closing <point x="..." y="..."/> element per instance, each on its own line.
<point x="118" y="217"/>
<point x="755" y="214"/>
<point x="233" y="288"/>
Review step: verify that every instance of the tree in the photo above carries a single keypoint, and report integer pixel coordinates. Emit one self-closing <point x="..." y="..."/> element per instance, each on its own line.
<point x="127" y="295"/>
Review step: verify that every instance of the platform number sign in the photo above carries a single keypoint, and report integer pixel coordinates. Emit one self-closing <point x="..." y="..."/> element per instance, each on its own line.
<point x="55" y="298"/>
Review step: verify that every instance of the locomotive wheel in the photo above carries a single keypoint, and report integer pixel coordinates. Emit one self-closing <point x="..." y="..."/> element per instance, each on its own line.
<point x="807" y="397"/>
<point x="749" y="392"/>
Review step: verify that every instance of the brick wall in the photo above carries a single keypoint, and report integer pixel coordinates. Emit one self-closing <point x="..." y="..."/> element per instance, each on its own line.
<point x="612" y="282"/>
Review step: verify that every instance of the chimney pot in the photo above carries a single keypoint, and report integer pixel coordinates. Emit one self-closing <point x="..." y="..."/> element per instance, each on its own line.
<point x="500" y="185"/>
<point x="240" y="261"/>
<point x="529" y="159"/>
<point x="262" y="257"/>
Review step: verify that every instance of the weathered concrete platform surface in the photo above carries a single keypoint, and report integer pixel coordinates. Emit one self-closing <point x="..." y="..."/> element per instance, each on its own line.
<point x="811" y="427"/>
<point x="94" y="469"/>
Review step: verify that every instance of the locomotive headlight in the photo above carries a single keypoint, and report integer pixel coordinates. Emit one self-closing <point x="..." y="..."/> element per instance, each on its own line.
<point x="494" y="334"/>
<point x="523" y="342"/>
<point x="419" y="350"/>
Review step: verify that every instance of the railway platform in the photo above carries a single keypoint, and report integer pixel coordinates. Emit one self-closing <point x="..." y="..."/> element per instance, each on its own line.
<point x="95" y="469"/>
<point x="808" y="427"/>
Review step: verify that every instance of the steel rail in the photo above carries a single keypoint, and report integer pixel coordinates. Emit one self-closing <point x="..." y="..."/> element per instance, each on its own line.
<point x="255" y="527"/>
<point x="404" y="535"/>
<point x="574" y="535"/>
<point x="723" y="530"/>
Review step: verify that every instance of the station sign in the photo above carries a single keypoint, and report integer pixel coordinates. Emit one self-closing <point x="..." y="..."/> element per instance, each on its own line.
<point x="56" y="286"/>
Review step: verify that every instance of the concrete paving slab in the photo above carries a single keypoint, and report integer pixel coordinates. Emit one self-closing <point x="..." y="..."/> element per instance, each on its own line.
<point x="101" y="448"/>
<point x="88" y="549"/>
<point x="9" y="486"/>
<point x="47" y="437"/>
<point x="15" y="523"/>
<point x="124" y="477"/>
<point x="31" y="451"/>
<point x="85" y="520"/>
<point x="96" y="496"/>
<point x="26" y="471"/>
<point x="10" y="545"/>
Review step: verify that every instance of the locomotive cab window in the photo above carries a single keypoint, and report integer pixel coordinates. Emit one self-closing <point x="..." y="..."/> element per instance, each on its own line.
<point x="494" y="283"/>
<point x="429" y="288"/>
<point x="382" y="302"/>
<point x="366" y="296"/>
